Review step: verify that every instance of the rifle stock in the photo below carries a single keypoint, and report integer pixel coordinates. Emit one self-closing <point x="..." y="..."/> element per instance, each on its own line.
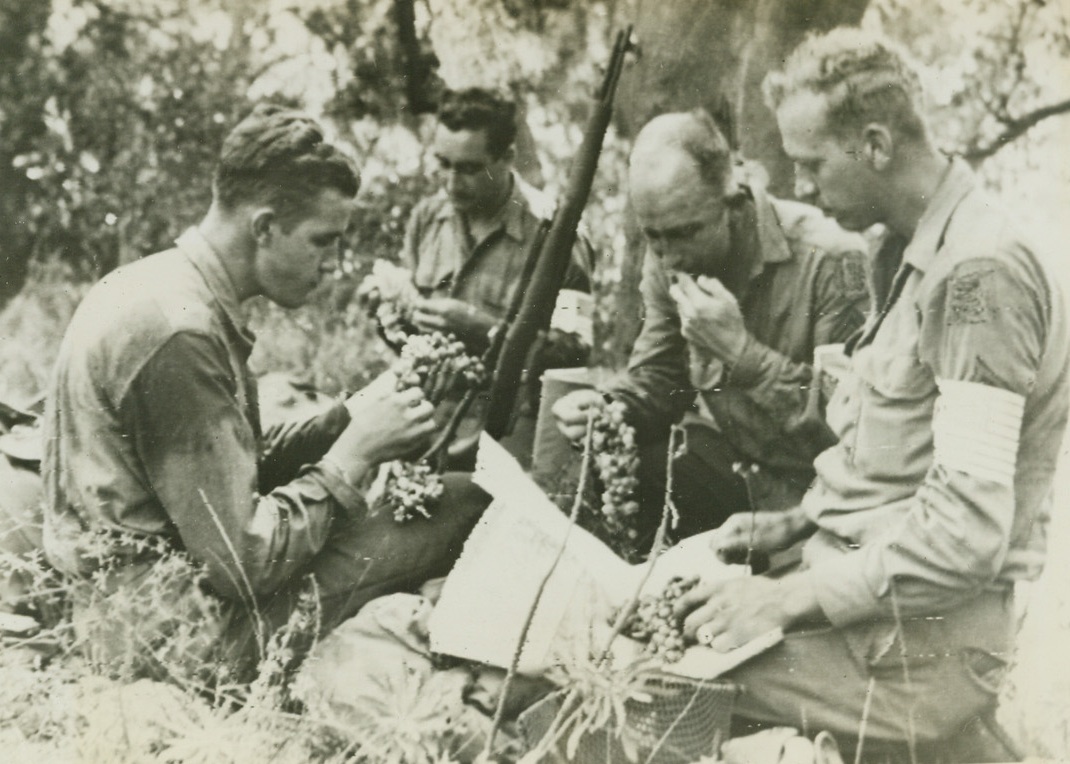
<point x="538" y="293"/>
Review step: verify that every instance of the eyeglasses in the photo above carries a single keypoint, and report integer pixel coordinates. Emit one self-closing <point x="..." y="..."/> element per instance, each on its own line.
<point x="686" y="231"/>
<point x="462" y="167"/>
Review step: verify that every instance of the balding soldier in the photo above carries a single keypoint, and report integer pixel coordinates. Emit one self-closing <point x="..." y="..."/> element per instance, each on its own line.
<point x="738" y="291"/>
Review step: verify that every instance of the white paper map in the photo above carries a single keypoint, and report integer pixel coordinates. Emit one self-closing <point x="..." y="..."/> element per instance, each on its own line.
<point x="486" y="598"/>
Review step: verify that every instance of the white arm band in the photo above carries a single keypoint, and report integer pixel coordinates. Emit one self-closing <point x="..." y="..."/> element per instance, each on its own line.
<point x="976" y="429"/>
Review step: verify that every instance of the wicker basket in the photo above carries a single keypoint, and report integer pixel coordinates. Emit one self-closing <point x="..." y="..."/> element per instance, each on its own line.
<point x="685" y="720"/>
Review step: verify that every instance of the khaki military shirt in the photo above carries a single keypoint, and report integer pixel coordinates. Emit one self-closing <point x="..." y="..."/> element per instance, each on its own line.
<point x="972" y="302"/>
<point x="807" y="288"/>
<point x="447" y="262"/>
<point x="152" y="429"/>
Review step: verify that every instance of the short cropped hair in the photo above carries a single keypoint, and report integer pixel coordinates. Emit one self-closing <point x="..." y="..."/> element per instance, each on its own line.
<point x="280" y="157"/>
<point x="696" y="133"/>
<point x="864" y="78"/>
<point x="480" y="109"/>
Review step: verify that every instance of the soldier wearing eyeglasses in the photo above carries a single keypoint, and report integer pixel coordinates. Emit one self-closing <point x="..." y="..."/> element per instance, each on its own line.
<point x="466" y="245"/>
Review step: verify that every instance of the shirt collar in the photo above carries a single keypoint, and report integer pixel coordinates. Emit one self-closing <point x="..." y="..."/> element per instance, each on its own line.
<point x="771" y="238"/>
<point x="524" y="202"/>
<point x="210" y="266"/>
<point x="956" y="183"/>
<point x="512" y="217"/>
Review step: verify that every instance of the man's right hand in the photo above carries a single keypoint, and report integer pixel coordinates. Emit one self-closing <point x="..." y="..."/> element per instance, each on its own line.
<point x="384" y="424"/>
<point x="762" y="532"/>
<point x="571" y="411"/>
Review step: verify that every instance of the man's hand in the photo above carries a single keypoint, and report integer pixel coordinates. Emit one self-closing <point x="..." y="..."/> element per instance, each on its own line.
<point x="728" y="614"/>
<point x="368" y="296"/>
<point x="763" y="532"/>
<point x="445" y="314"/>
<point x="710" y="318"/>
<point x="384" y="424"/>
<point x="572" y="410"/>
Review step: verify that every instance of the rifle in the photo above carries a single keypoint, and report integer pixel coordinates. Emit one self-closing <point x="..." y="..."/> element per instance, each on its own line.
<point x="516" y="338"/>
<point x="537" y="295"/>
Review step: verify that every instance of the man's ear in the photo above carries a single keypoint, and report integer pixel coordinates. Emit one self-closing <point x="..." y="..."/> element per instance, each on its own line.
<point x="878" y="146"/>
<point x="262" y="222"/>
<point x="509" y="155"/>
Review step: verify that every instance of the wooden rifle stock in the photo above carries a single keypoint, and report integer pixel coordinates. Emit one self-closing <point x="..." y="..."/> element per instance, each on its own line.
<point x="538" y="294"/>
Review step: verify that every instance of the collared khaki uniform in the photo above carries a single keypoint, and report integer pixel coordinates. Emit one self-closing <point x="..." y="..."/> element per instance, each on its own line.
<point x="902" y="537"/>
<point x="152" y="430"/>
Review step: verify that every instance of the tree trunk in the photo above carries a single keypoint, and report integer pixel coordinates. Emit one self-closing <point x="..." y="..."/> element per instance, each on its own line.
<point x="418" y="66"/>
<point x="713" y="54"/>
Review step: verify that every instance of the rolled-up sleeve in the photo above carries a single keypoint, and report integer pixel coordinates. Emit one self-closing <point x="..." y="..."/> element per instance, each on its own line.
<point x="983" y="325"/>
<point x="199" y="452"/>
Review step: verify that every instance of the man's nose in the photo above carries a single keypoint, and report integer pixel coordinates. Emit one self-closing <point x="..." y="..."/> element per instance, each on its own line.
<point x="805" y="188"/>
<point x="657" y="246"/>
<point x="665" y="253"/>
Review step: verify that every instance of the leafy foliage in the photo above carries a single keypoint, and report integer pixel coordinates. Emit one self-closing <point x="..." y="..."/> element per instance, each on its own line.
<point x="119" y="153"/>
<point x="993" y="67"/>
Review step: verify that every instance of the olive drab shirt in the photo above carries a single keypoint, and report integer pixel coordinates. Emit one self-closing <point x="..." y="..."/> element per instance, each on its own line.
<point x="807" y="288"/>
<point x="445" y="262"/>
<point x="972" y="307"/>
<point x="152" y="428"/>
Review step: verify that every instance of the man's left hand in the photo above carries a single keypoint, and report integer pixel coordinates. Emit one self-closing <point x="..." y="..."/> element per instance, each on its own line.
<point x="728" y="614"/>
<point x="446" y="314"/>
<point x="710" y="317"/>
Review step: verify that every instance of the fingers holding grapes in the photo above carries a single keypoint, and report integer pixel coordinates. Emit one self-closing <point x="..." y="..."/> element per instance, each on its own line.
<point x="700" y="613"/>
<point x="573" y="410"/>
<point x="369" y="397"/>
<point x="384" y="424"/>
<point x="728" y="614"/>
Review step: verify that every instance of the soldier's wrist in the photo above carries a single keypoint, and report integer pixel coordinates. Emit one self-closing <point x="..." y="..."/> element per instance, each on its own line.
<point x="799" y="603"/>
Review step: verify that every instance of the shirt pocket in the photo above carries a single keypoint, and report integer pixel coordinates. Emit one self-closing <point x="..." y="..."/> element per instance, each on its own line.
<point x="896" y="393"/>
<point x="490" y="291"/>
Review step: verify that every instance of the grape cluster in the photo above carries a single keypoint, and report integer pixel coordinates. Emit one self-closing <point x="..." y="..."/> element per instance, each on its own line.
<point x="436" y="363"/>
<point x="390" y="296"/>
<point x="616" y="460"/>
<point x="655" y="623"/>
<point x="412" y="488"/>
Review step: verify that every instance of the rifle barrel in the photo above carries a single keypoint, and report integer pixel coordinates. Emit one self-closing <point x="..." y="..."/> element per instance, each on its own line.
<point x="539" y="294"/>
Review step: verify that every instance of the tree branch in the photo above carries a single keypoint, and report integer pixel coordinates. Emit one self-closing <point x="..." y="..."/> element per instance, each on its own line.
<point x="1015" y="128"/>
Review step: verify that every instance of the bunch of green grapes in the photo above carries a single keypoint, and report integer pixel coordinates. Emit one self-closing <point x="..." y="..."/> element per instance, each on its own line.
<point x="616" y="460"/>
<point x="655" y="622"/>
<point x="438" y="364"/>
<point x="412" y="489"/>
<point x="389" y="295"/>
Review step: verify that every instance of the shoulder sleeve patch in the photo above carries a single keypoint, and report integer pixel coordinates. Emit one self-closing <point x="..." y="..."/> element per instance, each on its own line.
<point x="967" y="299"/>
<point x="851" y="276"/>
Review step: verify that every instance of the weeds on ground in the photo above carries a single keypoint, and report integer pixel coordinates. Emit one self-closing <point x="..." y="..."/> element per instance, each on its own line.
<point x="123" y="670"/>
